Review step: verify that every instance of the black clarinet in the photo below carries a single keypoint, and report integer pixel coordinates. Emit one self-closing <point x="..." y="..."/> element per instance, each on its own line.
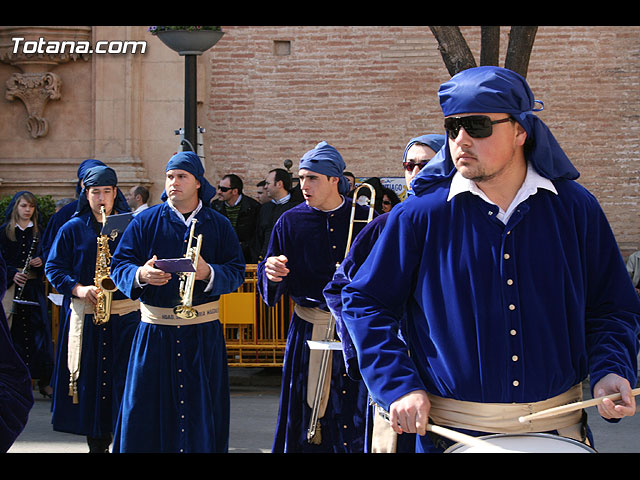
<point x="19" y="290"/>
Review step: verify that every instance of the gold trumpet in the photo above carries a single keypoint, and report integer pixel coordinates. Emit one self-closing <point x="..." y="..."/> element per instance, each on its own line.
<point x="313" y="432"/>
<point x="187" y="279"/>
<point x="102" y="279"/>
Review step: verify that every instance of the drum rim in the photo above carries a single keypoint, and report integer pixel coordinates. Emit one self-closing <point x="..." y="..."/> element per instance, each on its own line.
<point x="587" y="448"/>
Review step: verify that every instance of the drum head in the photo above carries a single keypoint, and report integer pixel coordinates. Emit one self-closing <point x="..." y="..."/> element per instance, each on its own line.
<point x="526" y="443"/>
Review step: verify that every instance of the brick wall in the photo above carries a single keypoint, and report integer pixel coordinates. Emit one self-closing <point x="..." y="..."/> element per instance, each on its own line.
<point x="367" y="90"/>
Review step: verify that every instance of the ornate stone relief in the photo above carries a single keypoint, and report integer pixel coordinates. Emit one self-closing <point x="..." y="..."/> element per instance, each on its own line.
<point x="33" y="51"/>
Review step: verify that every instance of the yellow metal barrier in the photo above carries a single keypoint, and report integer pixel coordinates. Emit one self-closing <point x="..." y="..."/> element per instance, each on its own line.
<point x="255" y="334"/>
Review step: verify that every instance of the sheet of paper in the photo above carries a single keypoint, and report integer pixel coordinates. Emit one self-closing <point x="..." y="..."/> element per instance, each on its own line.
<point x="175" y="265"/>
<point x="56" y="298"/>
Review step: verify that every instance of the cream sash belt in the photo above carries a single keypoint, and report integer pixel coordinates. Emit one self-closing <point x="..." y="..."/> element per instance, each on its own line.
<point x="489" y="417"/>
<point x="503" y="417"/>
<point x="320" y="321"/>
<point x="78" y="309"/>
<point x="207" y="312"/>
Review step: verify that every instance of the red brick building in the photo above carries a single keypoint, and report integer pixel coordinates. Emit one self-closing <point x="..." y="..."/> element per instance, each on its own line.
<point x="273" y="92"/>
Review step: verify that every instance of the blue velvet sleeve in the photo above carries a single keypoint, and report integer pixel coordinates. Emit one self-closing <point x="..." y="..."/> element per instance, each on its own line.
<point x="372" y="312"/>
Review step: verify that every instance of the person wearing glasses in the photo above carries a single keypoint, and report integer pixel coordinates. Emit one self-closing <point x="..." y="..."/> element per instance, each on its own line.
<point x="241" y="210"/>
<point x="417" y="153"/>
<point x="389" y="199"/>
<point x="512" y="285"/>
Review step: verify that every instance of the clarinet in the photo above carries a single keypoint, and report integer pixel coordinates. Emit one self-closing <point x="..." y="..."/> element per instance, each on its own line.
<point x="19" y="290"/>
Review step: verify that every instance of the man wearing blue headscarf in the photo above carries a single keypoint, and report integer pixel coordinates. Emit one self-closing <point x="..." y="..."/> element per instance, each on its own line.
<point x="66" y="212"/>
<point x="307" y="243"/>
<point x="513" y="287"/>
<point x="91" y="359"/>
<point x="417" y="154"/>
<point x="176" y="397"/>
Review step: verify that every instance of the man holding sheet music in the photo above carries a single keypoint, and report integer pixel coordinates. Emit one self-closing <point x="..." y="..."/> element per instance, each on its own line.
<point x="176" y="397"/>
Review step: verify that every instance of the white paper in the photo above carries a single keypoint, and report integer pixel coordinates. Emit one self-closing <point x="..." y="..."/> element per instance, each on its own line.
<point x="324" y="345"/>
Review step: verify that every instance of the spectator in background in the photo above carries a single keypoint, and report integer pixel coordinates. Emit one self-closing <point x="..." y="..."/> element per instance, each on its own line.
<point x="389" y="199"/>
<point x="278" y="188"/>
<point x="352" y="180"/>
<point x="261" y="193"/>
<point x="138" y="198"/>
<point x="241" y="210"/>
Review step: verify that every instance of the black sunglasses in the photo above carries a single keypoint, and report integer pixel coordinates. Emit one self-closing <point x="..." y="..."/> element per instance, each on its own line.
<point x="223" y="189"/>
<point x="477" y="126"/>
<point x="410" y="165"/>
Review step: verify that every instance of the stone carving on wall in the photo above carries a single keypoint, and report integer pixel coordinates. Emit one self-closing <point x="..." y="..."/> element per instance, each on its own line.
<point x="35" y="85"/>
<point x="35" y="90"/>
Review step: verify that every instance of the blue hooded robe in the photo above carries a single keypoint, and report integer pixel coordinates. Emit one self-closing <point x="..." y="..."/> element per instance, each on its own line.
<point x="495" y="313"/>
<point x="314" y="241"/>
<point x="177" y="396"/>
<point x="105" y="348"/>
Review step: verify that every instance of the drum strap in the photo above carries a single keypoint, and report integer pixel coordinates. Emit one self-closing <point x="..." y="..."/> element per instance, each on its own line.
<point x="503" y="417"/>
<point x="320" y="321"/>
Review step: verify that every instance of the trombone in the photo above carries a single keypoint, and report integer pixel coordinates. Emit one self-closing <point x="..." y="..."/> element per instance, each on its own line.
<point x="313" y="432"/>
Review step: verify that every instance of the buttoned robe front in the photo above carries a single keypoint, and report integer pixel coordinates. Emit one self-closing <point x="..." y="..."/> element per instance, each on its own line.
<point x="177" y="394"/>
<point x="314" y="242"/>
<point x="495" y="313"/>
<point x="105" y="348"/>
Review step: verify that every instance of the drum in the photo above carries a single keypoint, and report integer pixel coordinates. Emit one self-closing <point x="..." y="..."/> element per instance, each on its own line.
<point x="525" y="443"/>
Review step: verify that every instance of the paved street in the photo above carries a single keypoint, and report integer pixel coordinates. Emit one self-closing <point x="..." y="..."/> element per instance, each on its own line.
<point x="254" y="407"/>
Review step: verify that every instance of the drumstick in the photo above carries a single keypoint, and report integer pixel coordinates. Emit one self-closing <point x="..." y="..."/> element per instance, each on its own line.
<point x="458" y="437"/>
<point x="467" y="440"/>
<point x="574" y="406"/>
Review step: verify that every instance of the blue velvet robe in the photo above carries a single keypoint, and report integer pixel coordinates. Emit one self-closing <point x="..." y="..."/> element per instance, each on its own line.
<point x="495" y="313"/>
<point x="105" y="348"/>
<point x="16" y="398"/>
<point x="30" y="326"/>
<point x="177" y="394"/>
<point x="307" y="237"/>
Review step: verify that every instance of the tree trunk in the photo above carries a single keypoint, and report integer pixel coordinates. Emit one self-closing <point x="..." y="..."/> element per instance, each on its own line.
<point x="457" y="55"/>
<point x="453" y="47"/>
<point x="490" y="45"/>
<point x="519" y="50"/>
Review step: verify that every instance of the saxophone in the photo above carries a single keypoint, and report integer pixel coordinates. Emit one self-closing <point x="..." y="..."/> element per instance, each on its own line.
<point x="102" y="279"/>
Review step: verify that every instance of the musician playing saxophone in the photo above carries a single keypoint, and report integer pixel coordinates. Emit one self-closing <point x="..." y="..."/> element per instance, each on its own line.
<point x="28" y="322"/>
<point x="177" y="396"/>
<point x="306" y="244"/>
<point x="92" y="359"/>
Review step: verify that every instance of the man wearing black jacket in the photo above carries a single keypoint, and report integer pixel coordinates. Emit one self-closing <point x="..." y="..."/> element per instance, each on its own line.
<point x="241" y="210"/>
<point x="278" y="186"/>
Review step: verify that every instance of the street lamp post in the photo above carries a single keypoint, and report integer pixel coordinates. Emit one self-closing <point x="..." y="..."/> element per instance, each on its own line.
<point x="190" y="44"/>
